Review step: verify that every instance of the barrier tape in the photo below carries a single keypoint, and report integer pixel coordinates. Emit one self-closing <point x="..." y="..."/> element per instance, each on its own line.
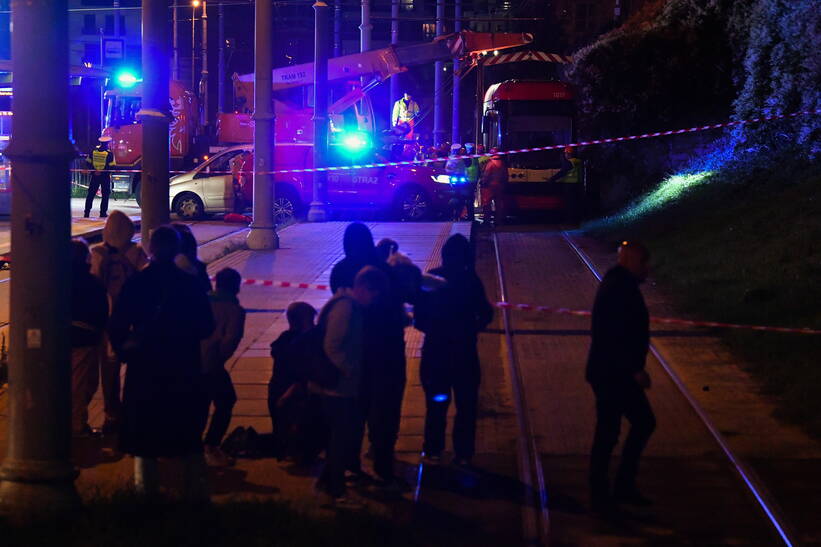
<point x="549" y="309"/>
<point x="500" y="153"/>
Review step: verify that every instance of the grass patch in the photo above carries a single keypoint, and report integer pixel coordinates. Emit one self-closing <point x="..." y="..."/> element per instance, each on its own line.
<point x="125" y="521"/>
<point x="742" y="244"/>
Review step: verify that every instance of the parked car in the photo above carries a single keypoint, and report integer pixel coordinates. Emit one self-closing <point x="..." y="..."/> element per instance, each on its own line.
<point x="224" y="184"/>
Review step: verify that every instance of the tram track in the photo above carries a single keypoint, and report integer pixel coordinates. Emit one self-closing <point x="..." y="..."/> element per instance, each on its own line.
<point x="748" y="478"/>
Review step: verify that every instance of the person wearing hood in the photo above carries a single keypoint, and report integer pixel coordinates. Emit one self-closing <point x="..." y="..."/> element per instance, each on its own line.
<point x="359" y="252"/>
<point x="451" y="318"/>
<point x="187" y="260"/>
<point x="114" y="262"/>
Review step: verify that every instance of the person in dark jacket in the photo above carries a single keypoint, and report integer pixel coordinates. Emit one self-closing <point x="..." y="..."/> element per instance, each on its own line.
<point x="229" y="317"/>
<point x="615" y="371"/>
<point x="359" y="252"/>
<point x="187" y="260"/>
<point x="100" y="161"/>
<point x="89" y="313"/>
<point x="159" y="340"/>
<point x="451" y="318"/>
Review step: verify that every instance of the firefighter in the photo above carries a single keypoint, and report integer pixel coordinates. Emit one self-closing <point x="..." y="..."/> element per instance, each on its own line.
<point x="100" y="161"/>
<point x="405" y="111"/>
<point x="570" y="172"/>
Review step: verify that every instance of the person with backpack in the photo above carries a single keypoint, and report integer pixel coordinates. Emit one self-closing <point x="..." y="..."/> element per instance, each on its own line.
<point x="451" y="318"/>
<point x="159" y="340"/>
<point x="216" y="350"/>
<point x="89" y="314"/>
<point x="114" y="262"/>
<point x="342" y="320"/>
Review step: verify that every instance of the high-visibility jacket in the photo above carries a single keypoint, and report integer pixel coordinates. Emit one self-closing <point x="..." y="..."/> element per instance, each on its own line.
<point x="473" y="170"/>
<point x="404" y="111"/>
<point x="573" y="176"/>
<point x="100" y="158"/>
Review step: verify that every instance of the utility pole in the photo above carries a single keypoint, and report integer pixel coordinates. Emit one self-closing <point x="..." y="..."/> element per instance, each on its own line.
<point x="365" y="27"/>
<point x="480" y="99"/>
<point x="263" y="233"/>
<point x="337" y="28"/>
<point x="204" y="68"/>
<point x="318" y="212"/>
<point x="456" y="131"/>
<point x="394" y="82"/>
<point x="221" y="58"/>
<point x="194" y="5"/>
<point x="439" y="67"/>
<point x="37" y="476"/>
<point x="117" y="19"/>
<point x="155" y="117"/>
<point x="176" y="42"/>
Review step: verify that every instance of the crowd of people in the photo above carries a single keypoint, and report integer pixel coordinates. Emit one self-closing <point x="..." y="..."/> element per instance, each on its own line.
<point x="336" y="373"/>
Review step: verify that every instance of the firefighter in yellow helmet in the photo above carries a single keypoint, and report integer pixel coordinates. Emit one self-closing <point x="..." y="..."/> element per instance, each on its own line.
<point x="405" y="111"/>
<point x="99" y="161"/>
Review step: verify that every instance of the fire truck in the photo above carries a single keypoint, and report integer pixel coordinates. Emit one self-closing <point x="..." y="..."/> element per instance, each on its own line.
<point x="351" y="114"/>
<point x="525" y="114"/>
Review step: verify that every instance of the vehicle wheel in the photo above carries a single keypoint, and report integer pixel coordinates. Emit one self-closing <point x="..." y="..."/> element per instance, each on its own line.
<point x="189" y="206"/>
<point x="137" y="192"/>
<point x="413" y="204"/>
<point x="287" y="206"/>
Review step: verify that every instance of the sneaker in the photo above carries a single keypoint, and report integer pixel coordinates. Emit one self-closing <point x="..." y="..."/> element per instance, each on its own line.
<point x="86" y="214"/>
<point x="103" y="215"/>
<point x="348" y="503"/>
<point x="215" y="457"/>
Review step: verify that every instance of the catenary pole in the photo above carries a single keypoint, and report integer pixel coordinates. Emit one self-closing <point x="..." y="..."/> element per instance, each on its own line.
<point x="206" y="119"/>
<point x="221" y="57"/>
<point x="365" y="27"/>
<point x="155" y="116"/>
<point x="337" y="28"/>
<point x="263" y="233"/>
<point x="455" y="132"/>
<point x="175" y="46"/>
<point x="439" y="68"/>
<point x="37" y="476"/>
<point x="317" y="212"/>
<point x="394" y="82"/>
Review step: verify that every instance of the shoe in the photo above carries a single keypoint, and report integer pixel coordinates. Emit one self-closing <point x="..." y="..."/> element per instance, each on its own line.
<point x="103" y="215"/>
<point x="86" y="214"/>
<point x="431" y="459"/>
<point x="348" y="503"/>
<point x="632" y="496"/>
<point x="215" y="457"/>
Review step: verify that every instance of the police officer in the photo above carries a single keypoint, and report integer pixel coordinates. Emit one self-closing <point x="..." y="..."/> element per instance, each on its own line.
<point x="100" y="161"/>
<point x="615" y="371"/>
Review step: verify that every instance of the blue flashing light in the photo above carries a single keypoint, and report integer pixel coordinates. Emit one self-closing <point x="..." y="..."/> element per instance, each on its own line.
<point x="440" y="398"/>
<point x="355" y="142"/>
<point x="126" y="79"/>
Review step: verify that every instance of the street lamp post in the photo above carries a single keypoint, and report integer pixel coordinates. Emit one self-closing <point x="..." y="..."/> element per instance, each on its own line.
<point x="317" y="212"/>
<point x="439" y="68"/>
<point x="455" y="133"/>
<point x="394" y="83"/>
<point x="220" y="58"/>
<point x="204" y="69"/>
<point x="263" y="233"/>
<point x="37" y="476"/>
<point x="194" y="5"/>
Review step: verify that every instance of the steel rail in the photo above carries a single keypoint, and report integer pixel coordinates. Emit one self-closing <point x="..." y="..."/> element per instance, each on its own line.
<point x="751" y="481"/>
<point x="536" y="518"/>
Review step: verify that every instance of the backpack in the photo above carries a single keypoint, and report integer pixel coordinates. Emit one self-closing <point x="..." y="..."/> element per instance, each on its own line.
<point x="115" y="270"/>
<point x="309" y="348"/>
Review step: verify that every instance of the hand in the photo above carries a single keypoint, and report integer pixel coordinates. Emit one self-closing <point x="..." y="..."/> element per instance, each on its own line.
<point x="642" y="379"/>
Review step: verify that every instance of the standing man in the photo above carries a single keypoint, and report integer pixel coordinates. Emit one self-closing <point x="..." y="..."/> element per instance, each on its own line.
<point x="615" y="371"/>
<point x="405" y="111"/>
<point x="100" y="161"/>
<point x="493" y="188"/>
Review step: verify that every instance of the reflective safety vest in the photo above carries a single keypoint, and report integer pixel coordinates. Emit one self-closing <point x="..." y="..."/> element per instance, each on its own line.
<point x="574" y="175"/>
<point x="100" y="159"/>
<point x="404" y="111"/>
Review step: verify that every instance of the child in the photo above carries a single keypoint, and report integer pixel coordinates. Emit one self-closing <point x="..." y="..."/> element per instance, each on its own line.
<point x="288" y="397"/>
<point x="216" y="350"/>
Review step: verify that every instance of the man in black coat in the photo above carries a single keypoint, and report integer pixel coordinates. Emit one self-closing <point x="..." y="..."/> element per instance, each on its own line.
<point x="615" y="371"/>
<point x="159" y="339"/>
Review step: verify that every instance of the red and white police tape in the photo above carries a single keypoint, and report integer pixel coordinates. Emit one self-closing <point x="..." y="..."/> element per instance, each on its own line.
<point x="550" y="309"/>
<point x="610" y="140"/>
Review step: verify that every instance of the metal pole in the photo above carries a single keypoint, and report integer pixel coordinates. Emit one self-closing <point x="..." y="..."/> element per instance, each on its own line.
<point x="154" y="116"/>
<point x="394" y="84"/>
<point x="116" y="18"/>
<point x="37" y="476"/>
<point x="221" y="58"/>
<point x="176" y="43"/>
<point x="204" y="71"/>
<point x="439" y="67"/>
<point x="318" y="212"/>
<point x="480" y="99"/>
<point x="193" y="47"/>
<point x="455" y="132"/>
<point x="365" y="27"/>
<point x="263" y="233"/>
<point x="337" y="28"/>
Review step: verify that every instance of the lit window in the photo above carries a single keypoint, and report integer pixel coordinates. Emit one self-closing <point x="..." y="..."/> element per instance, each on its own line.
<point x="407" y="5"/>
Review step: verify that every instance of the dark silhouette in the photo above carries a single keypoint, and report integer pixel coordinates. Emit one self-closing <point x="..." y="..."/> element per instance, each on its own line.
<point x="99" y="161"/>
<point x="89" y="313"/>
<point x="451" y="318"/>
<point x="187" y="259"/>
<point x="156" y="328"/>
<point x="216" y="350"/>
<point x="615" y="371"/>
<point x="494" y="189"/>
<point x="359" y="252"/>
<point x="343" y="319"/>
<point x="115" y="262"/>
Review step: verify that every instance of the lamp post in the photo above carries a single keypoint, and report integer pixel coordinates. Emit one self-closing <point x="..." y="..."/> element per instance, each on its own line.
<point x="439" y="68"/>
<point x="317" y="212"/>
<point x="194" y="5"/>
<point x="204" y="68"/>
<point x="455" y="132"/>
